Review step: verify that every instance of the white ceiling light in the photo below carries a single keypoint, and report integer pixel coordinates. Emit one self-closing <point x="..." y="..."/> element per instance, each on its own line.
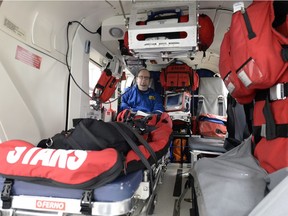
<point x="116" y="32"/>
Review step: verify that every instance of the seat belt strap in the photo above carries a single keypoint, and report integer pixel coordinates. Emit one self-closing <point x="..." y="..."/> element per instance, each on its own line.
<point x="220" y="105"/>
<point x="270" y="129"/>
<point x="281" y="130"/>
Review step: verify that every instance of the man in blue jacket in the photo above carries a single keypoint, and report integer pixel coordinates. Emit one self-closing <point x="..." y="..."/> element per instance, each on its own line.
<point x="141" y="97"/>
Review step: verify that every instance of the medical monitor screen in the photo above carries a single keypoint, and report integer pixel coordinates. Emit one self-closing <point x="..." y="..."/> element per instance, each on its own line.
<point x="174" y="100"/>
<point x="177" y="102"/>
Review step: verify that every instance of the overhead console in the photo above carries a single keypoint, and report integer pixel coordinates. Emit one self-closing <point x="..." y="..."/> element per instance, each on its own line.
<point x="162" y="30"/>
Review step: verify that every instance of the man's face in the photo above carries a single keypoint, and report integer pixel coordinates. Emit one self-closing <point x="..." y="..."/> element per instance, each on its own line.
<point x="143" y="80"/>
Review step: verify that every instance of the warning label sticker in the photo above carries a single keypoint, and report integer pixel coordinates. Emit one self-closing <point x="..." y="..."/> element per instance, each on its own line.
<point x="28" y="58"/>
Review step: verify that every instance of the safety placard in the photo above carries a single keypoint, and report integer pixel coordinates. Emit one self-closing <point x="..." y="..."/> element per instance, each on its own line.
<point x="28" y="57"/>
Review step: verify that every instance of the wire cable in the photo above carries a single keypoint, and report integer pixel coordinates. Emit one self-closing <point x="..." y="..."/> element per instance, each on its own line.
<point x="72" y="77"/>
<point x="67" y="53"/>
<point x="69" y="69"/>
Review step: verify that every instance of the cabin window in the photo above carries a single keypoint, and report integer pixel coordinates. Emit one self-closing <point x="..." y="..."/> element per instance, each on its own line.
<point x="94" y="75"/>
<point x="128" y="81"/>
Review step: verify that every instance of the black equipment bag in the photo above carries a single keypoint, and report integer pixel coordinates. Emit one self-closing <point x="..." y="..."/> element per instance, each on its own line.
<point x="91" y="134"/>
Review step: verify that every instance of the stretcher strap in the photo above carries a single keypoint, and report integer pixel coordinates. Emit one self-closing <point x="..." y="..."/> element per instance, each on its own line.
<point x="6" y="194"/>
<point x="137" y="150"/>
<point x="86" y="202"/>
<point x="143" y="141"/>
<point x="142" y="123"/>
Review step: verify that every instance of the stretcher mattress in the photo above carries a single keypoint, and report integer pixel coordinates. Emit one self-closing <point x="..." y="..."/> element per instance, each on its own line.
<point x="75" y="181"/>
<point x="115" y="198"/>
<point x="118" y="190"/>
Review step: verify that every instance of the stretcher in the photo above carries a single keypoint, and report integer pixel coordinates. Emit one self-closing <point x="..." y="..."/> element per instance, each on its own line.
<point x="127" y="195"/>
<point x="45" y="181"/>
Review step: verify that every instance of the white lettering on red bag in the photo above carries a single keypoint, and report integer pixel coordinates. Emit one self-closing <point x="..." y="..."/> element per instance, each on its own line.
<point x="46" y="204"/>
<point x="70" y="159"/>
